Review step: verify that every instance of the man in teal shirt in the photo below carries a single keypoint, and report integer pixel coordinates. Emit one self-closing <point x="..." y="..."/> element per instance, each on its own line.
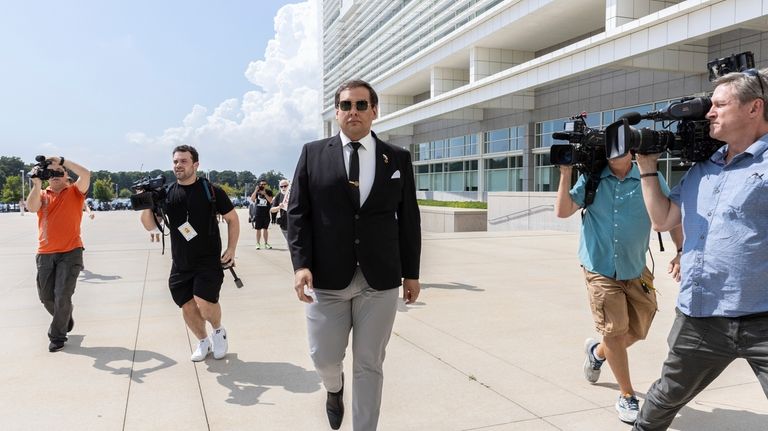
<point x="615" y="232"/>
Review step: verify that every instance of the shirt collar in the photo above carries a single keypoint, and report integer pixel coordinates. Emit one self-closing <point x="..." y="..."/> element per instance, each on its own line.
<point x="366" y="141"/>
<point x="634" y="172"/>
<point x="756" y="149"/>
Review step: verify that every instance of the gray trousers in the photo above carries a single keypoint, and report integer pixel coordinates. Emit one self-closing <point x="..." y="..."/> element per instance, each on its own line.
<point x="699" y="350"/>
<point x="370" y="315"/>
<point x="56" y="278"/>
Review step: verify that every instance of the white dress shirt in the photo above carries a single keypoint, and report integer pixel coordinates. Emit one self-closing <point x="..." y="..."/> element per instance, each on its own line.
<point x="367" y="155"/>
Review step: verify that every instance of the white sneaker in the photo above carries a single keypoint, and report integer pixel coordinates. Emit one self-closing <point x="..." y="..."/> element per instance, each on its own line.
<point x="202" y="351"/>
<point x="220" y="344"/>
<point x="628" y="407"/>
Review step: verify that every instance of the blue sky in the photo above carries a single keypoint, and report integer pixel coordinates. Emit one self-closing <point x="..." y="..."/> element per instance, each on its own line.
<point x="115" y="85"/>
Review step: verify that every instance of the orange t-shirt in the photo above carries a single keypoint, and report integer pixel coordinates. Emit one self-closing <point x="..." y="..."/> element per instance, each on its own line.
<point x="58" y="220"/>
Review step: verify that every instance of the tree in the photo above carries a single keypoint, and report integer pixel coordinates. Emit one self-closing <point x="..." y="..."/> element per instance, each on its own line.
<point x="272" y="178"/>
<point x="12" y="189"/>
<point x="125" y="193"/>
<point x="229" y="190"/>
<point x="10" y="167"/>
<point x="103" y="190"/>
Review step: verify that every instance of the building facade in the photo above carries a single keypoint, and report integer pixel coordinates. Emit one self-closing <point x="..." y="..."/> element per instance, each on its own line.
<point x="476" y="88"/>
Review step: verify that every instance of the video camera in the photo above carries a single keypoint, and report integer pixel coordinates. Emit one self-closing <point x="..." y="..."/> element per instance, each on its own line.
<point x="149" y="193"/>
<point x="691" y="142"/>
<point x="585" y="149"/>
<point x="42" y="171"/>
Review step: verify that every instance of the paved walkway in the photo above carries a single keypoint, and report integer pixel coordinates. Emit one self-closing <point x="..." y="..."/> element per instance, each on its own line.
<point x="494" y="343"/>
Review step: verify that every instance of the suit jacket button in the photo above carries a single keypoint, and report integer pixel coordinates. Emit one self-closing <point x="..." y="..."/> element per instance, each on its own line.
<point x="357" y="217"/>
<point x="357" y="241"/>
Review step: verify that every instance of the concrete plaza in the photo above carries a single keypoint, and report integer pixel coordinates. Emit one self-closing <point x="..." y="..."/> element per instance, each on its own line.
<point x="494" y="343"/>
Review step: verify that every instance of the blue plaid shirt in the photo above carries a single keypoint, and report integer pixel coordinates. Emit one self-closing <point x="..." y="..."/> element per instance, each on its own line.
<point x="725" y="222"/>
<point x="616" y="227"/>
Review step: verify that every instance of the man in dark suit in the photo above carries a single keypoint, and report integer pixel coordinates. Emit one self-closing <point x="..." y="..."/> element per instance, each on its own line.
<point x="354" y="232"/>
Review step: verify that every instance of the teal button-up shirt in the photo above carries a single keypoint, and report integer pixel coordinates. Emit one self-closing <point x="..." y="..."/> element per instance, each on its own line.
<point x="616" y="228"/>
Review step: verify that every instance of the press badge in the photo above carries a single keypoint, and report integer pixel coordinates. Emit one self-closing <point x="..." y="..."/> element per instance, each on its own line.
<point x="187" y="231"/>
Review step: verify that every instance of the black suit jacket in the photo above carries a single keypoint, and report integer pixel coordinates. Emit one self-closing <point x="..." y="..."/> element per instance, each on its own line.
<point x="329" y="235"/>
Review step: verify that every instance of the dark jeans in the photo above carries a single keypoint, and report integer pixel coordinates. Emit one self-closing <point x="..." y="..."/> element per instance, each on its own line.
<point x="699" y="350"/>
<point x="56" y="278"/>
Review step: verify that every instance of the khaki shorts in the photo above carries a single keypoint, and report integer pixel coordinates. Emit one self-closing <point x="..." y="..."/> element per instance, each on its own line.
<point x="622" y="306"/>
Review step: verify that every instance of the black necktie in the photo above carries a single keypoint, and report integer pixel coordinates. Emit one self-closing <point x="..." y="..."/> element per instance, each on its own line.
<point x="354" y="171"/>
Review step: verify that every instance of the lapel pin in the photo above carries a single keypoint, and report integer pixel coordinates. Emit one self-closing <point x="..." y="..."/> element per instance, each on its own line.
<point x="386" y="159"/>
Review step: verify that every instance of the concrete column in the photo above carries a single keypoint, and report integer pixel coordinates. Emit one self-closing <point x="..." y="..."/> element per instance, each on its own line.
<point x="443" y="80"/>
<point x="529" y="160"/>
<point x="480" y="166"/>
<point x="485" y="62"/>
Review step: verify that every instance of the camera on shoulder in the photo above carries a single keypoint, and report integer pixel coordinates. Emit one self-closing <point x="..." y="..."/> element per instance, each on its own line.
<point x="148" y="193"/>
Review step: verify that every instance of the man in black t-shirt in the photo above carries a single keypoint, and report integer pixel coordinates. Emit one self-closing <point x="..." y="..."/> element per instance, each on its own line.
<point x="261" y="202"/>
<point x="191" y="205"/>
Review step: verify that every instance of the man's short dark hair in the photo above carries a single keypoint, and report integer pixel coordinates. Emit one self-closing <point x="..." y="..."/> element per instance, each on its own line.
<point x="354" y="83"/>
<point x="187" y="149"/>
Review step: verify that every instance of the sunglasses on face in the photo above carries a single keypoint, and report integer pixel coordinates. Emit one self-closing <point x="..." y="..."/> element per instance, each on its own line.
<point x="282" y="187"/>
<point x="756" y="74"/>
<point x="360" y="105"/>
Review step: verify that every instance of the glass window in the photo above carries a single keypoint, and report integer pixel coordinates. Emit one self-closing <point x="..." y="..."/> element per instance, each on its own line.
<point x="422" y="169"/>
<point x="438" y="184"/>
<point x="497" y="180"/>
<point x="456" y="182"/>
<point x="472" y="181"/>
<point x="424" y="151"/>
<point x="456" y="148"/>
<point x="472" y="147"/>
<point x="455" y="166"/>
<point x="422" y="182"/>
<point x="496" y="163"/>
<point x="437" y="167"/>
<point x="498" y="135"/>
<point x="438" y="148"/>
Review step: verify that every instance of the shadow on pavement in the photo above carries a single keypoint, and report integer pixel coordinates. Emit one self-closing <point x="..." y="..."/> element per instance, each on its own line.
<point x="246" y="381"/>
<point x="452" y="286"/>
<point x="720" y="420"/>
<point x="103" y="356"/>
<point x="90" y="277"/>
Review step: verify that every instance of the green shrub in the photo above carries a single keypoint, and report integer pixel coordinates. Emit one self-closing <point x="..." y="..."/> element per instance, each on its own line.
<point x="453" y="204"/>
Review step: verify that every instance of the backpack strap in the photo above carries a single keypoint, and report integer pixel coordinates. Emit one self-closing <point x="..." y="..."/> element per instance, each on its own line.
<point x="210" y="193"/>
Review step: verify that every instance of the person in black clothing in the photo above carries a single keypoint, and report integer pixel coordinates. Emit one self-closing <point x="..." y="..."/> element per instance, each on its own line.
<point x="196" y="273"/>
<point x="261" y="202"/>
<point x="279" y="207"/>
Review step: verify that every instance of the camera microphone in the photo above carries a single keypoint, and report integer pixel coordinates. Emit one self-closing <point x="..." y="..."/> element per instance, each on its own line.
<point x="687" y="109"/>
<point x="564" y="136"/>
<point x="632" y="118"/>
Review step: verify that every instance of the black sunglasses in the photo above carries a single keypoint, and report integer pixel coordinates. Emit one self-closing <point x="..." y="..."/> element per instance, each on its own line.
<point x="360" y="105"/>
<point x="282" y="187"/>
<point x="756" y="74"/>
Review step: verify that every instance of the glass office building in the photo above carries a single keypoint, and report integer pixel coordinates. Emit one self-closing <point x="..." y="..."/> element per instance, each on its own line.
<point x="475" y="89"/>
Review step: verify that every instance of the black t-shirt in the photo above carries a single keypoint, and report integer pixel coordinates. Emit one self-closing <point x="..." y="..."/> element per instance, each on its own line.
<point x="204" y="250"/>
<point x="262" y="204"/>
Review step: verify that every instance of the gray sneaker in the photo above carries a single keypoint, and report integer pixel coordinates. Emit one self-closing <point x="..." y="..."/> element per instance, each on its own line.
<point x="628" y="406"/>
<point x="591" y="363"/>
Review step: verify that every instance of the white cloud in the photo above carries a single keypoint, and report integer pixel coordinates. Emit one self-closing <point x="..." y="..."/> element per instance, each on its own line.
<point x="265" y="128"/>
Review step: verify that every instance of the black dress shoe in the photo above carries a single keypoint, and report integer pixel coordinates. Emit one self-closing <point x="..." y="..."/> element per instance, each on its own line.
<point x="334" y="406"/>
<point x="55" y="346"/>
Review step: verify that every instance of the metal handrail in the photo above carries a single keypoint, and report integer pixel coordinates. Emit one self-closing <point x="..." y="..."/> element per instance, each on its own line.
<point x="517" y="214"/>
